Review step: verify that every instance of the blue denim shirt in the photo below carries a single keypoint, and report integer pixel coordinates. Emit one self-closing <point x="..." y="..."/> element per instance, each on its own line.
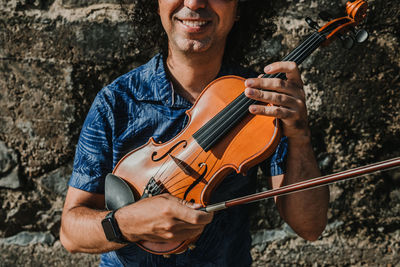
<point x="124" y="115"/>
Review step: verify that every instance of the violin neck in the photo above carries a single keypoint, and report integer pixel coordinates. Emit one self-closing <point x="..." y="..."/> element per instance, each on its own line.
<point x="215" y="129"/>
<point x="301" y="52"/>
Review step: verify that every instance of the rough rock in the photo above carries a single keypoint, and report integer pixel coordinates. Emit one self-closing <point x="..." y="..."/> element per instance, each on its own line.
<point x="43" y="255"/>
<point x="11" y="180"/>
<point x="56" y="182"/>
<point x="261" y="238"/>
<point x="28" y="238"/>
<point x="9" y="170"/>
<point x="55" y="55"/>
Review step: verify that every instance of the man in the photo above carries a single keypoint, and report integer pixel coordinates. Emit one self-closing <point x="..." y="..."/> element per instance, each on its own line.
<point x="151" y="101"/>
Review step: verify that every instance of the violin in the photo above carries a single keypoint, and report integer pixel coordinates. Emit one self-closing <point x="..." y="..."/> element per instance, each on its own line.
<point x="220" y="137"/>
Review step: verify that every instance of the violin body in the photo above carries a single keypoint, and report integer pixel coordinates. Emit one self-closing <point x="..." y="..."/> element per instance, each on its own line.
<point x="183" y="169"/>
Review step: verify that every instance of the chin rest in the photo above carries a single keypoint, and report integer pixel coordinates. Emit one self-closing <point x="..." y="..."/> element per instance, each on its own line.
<point x="117" y="193"/>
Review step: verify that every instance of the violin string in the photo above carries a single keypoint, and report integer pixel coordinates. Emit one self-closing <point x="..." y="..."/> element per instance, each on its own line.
<point x="162" y="180"/>
<point x="206" y="134"/>
<point x="174" y="192"/>
<point x="227" y="121"/>
<point x="158" y="170"/>
<point x="321" y="35"/>
<point x="205" y="176"/>
<point x="244" y="100"/>
<point x="314" y="45"/>
<point x="195" y="158"/>
<point x="169" y="178"/>
<point x="172" y="163"/>
<point x="295" y="54"/>
<point x="288" y="58"/>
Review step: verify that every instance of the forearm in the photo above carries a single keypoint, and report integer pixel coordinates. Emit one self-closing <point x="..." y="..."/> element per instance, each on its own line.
<point x="304" y="211"/>
<point x="81" y="231"/>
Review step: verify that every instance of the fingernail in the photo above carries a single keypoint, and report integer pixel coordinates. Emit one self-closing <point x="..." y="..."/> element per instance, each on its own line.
<point x="253" y="109"/>
<point x="249" y="91"/>
<point x="197" y="206"/>
<point x="267" y="68"/>
<point x="249" y="83"/>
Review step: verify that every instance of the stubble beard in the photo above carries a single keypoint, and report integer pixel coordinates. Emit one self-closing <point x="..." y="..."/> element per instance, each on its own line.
<point x="193" y="46"/>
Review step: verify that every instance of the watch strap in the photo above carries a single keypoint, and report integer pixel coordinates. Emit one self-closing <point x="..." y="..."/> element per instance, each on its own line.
<point x="111" y="229"/>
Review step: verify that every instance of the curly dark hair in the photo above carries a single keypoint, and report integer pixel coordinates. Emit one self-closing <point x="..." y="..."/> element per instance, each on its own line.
<point x="253" y="26"/>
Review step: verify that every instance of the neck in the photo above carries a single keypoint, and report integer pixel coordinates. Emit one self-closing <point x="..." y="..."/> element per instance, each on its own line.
<point x="192" y="72"/>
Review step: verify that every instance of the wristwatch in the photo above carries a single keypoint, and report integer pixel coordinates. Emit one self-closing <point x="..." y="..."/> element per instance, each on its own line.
<point x="111" y="229"/>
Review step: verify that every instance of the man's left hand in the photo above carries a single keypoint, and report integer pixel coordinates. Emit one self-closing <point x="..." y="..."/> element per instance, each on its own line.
<point x="286" y="98"/>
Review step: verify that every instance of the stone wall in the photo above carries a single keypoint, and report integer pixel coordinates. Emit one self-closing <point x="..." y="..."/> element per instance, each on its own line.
<point x="56" y="54"/>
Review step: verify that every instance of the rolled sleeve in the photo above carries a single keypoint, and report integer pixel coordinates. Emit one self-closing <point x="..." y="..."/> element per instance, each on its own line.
<point x="93" y="153"/>
<point x="276" y="164"/>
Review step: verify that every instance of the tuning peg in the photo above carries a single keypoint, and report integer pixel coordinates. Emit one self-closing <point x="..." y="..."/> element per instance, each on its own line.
<point x="312" y="23"/>
<point x="361" y="36"/>
<point x="324" y="15"/>
<point x="347" y="41"/>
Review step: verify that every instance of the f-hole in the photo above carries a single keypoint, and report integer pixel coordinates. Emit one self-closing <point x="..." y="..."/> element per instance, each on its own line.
<point x="168" y="152"/>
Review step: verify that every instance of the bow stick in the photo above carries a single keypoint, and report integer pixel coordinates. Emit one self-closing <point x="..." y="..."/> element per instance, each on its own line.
<point x="306" y="185"/>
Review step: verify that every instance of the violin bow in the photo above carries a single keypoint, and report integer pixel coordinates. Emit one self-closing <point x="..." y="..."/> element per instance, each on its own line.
<point x="307" y="185"/>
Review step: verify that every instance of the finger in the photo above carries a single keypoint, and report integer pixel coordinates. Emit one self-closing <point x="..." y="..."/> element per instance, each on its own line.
<point x="175" y="229"/>
<point x="289" y="68"/>
<point x="181" y="235"/>
<point x="170" y="236"/>
<point x="191" y="205"/>
<point x="181" y="225"/>
<point x="274" y="84"/>
<point x="186" y="235"/>
<point x="272" y="98"/>
<point x="196" y="217"/>
<point x="272" y="111"/>
<point x="185" y="211"/>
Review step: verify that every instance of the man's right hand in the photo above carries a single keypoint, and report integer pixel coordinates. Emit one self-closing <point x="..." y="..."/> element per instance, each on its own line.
<point x="157" y="219"/>
<point x="162" y="218"/>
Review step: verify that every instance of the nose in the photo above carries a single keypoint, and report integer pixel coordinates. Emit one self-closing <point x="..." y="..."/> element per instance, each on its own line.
<point x="195" y="4"/>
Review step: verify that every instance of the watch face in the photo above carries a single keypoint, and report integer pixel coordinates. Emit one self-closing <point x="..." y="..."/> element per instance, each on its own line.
<point x="108" y="229"/>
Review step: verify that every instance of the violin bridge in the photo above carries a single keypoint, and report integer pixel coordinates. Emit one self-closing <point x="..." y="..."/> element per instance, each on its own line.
<point x="152" y="188"/>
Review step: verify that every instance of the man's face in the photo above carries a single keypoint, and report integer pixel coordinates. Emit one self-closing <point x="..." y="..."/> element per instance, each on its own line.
<point x="197" y="25"/>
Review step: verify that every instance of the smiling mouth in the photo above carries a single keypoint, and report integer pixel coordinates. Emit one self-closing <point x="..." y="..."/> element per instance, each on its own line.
<point x="194" y="23"/>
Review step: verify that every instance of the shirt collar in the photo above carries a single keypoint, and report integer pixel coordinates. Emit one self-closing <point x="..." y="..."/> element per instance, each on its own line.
<point x="154" y="85"/>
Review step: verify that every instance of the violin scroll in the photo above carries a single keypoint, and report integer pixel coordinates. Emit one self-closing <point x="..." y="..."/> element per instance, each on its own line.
<point x="338" y="27"/>
<point x="357" y="10"/>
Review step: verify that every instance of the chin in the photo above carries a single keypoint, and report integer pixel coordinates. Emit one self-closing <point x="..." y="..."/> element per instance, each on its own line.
<point x="194" y="46"/>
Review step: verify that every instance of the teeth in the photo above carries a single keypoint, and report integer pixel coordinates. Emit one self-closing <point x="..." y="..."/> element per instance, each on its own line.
<point x="194" y="23"/>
